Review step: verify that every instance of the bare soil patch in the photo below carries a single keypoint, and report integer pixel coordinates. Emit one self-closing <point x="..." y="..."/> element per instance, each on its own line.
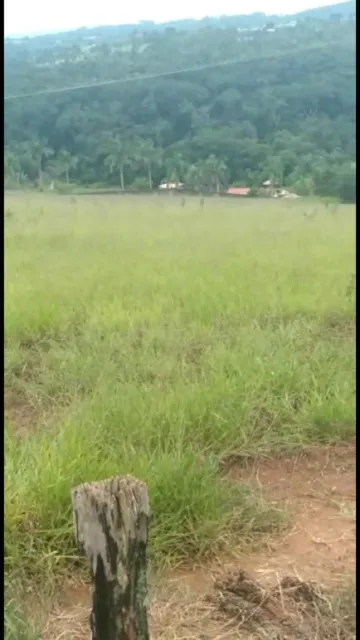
<point x="22" y="416"/>
<point x="317" y="487"/>
<point x="288" y="589"/>
<point x="339" y="327"/>
<point x="26" y="416"/>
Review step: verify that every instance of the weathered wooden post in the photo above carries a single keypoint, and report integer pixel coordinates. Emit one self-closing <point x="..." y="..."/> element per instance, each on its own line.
<point x="111" y="520"/>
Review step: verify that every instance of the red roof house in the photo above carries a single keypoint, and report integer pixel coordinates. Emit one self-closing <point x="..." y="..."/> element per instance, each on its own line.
<point x="238" y="191"/>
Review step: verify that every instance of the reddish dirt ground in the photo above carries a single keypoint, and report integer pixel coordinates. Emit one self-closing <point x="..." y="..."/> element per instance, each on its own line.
<point x="316" y="488"/>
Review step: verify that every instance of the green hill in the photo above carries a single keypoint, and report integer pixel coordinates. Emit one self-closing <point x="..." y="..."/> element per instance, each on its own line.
<point x="234" y="100"/>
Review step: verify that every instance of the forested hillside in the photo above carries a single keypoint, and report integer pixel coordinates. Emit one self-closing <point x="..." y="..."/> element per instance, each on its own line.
<point x="225" y="103"/>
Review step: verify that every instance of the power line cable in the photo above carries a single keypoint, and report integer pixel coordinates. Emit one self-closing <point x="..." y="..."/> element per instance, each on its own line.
<point x="154" y="76"/>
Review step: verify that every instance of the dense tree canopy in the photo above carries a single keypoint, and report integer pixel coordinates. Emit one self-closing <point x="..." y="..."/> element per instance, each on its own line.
<point x="279" y="102"/>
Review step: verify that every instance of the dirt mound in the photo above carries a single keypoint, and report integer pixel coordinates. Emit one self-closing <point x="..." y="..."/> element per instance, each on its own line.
<point x="293" y="609"/>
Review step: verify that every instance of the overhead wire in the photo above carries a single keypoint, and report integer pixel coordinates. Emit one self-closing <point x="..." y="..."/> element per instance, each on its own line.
<point x="154" y="76"/>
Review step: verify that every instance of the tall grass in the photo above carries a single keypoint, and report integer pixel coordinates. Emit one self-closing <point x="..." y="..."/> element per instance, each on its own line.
<point x="146" y="338"/>
<point x="17" y="623"/>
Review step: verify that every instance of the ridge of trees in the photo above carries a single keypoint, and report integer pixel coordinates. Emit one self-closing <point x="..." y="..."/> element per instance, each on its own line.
<point x="285" y="111"/>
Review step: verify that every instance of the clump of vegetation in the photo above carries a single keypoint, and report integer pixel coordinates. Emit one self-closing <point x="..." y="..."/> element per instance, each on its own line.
<point x="17" y="623"/>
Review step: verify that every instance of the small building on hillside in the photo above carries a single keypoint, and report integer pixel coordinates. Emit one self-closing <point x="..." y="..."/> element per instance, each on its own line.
<point x="270" y="188"/>
<point x="238" y="191"/>
<point x="171" y="185"/>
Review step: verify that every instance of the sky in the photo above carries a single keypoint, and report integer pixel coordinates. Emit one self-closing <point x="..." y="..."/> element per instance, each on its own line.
<point x="38" y="16"/>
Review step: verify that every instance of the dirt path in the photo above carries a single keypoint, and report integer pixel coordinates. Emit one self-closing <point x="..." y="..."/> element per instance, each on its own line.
<point x="317" y="489"/>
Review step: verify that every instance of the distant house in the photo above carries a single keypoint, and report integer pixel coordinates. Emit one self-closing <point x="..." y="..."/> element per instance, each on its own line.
<point x="270" y="188"/>
<point x="238" y="191"/>
<point x="171" y="185"/>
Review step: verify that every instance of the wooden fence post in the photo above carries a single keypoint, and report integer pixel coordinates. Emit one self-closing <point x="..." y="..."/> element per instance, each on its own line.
<point x="111" y="520"/>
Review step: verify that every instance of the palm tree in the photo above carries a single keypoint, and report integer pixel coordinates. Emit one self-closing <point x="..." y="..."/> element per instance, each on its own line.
<point x="12" y="167"/>
<point x="64" y="163"/>
<point x="276" y="170"/>
<point x="194" y="177"/>
<point x="39" y="151"/>
<point x="176" y="168"/>
<point x="117" y="154"/>
<point x="147" y="154"/>
<point x="214" y="172"/>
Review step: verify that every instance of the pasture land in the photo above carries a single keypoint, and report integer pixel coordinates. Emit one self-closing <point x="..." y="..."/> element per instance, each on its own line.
<point x="167" y="341"/>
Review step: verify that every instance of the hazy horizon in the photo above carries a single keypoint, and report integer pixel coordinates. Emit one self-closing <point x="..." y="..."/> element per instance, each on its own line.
<point x="24" y="19"/>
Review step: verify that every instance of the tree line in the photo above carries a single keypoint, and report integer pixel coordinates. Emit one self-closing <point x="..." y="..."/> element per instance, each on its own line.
<point x="283" y="108"/>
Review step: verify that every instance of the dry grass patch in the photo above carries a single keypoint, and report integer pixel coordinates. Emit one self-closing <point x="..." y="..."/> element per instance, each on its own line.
<point x="235" y="606"/>
<point x="292" y="609"/>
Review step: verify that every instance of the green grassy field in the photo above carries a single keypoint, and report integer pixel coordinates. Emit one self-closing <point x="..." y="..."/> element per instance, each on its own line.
<point x="146" y="338"/>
